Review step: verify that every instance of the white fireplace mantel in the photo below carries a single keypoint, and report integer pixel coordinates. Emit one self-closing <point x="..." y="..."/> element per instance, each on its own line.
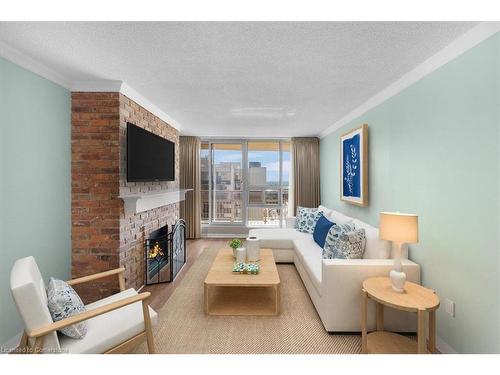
<point x="140" y="202"/>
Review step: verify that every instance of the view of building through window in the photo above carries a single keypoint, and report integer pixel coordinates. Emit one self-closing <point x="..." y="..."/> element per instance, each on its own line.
<point x="228" y="182"/>
<point x="245" y="182"/>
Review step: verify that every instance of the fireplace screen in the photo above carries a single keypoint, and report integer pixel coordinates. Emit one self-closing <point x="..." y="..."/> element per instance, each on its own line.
<point x="165" y="253"/>
<point x="178" y="246"/>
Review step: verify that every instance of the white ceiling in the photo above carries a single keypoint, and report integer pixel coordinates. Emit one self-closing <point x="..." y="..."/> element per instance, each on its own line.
<point x="248" y="79"/>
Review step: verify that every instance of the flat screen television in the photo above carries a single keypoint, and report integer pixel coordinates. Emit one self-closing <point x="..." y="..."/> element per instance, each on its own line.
<point x="149" y="156"/>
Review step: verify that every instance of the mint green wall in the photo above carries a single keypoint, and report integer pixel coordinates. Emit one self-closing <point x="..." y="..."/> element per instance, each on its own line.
<point x="35" y="178"/>
<point x="434" y="151"/>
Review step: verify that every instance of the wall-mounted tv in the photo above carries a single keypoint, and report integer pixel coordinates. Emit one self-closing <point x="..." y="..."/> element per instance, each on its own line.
<point x="149" y="156"/>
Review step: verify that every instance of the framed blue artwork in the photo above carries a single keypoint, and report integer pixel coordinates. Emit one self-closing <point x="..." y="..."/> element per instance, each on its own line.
<point x="354" y="166"/>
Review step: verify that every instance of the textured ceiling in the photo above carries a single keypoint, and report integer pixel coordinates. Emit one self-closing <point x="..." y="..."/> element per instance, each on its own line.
<point x="251" y="79"/>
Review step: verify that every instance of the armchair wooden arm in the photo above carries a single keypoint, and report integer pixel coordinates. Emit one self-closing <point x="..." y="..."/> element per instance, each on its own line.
<point x="40" y="332"/>
<point x="96" y="276"/>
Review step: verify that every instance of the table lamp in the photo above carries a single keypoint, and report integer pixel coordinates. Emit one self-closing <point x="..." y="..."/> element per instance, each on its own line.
<point x="400" y="229"/>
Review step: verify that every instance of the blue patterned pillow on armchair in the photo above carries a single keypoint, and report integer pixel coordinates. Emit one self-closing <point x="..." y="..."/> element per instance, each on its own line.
<point x="64" y="302"/>
<point x="306" y="219"/>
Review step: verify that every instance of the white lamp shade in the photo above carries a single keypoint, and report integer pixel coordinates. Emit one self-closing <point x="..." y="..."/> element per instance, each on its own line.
<point x="399" y="227"/>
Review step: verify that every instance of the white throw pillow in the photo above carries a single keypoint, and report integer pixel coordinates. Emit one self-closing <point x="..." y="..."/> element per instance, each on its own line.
<point x="339" y="218"/>
<point x="325" y="210"/>
<point x="375" y="247"/>
<point x="64" y="302"/>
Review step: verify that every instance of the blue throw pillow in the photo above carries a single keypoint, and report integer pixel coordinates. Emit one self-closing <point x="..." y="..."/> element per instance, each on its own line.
<point x="321" y="229"/>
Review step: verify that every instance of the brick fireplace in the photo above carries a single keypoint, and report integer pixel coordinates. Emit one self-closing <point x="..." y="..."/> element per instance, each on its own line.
<point x="103" y="235"/>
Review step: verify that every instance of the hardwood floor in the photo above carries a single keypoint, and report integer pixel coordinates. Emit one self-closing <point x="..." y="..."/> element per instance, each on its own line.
<point x="161" y="293"/>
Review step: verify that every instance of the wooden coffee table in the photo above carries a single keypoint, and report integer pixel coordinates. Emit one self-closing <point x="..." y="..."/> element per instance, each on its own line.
<point x="234" y="294"/>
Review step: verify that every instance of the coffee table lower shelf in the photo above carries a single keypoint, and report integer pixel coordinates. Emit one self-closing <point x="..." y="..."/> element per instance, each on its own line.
<point x="242" y="300"/>
<point x="383" y="342"/>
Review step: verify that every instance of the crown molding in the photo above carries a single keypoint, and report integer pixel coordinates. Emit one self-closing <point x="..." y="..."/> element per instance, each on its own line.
<point x="454" y="49"/>
<point x="130" y="93"/>
<point x="17" y="57"/>
<point x="96" y="86"/>
<point x="465" y="42"/>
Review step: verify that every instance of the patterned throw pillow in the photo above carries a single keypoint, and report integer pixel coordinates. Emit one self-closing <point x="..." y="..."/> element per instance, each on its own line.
<point x="306" y="219"/>
<point x="344" y="242"/>
<point x="64" y="302"/>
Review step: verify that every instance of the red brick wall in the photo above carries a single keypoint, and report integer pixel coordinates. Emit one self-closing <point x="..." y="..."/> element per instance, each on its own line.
<point x="95" y="149"/>
<point x="134" y="228"/>
<point x="103" y="237"/>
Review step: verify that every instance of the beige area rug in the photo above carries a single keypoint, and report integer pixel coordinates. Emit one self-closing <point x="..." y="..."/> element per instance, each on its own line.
<point x="184" y="328"/>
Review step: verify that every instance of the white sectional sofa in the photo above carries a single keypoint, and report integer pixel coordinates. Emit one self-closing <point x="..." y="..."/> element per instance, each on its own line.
<point x="334" y="285"/>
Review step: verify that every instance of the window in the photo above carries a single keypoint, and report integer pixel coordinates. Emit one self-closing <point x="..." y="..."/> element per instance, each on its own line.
<point x="286" y="167"/>
<point x="266" y="182"/>
<point x="227" y="181"/>
<point x="205" y="182"/>
<point x="264" y="163"/>
<point x="245" y="182"/>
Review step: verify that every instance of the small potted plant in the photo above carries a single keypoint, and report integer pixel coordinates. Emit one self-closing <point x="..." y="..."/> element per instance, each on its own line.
<point x="234" y="244"/>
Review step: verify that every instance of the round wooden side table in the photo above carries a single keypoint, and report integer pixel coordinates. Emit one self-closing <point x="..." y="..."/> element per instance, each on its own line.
<point x="415" y="299"/>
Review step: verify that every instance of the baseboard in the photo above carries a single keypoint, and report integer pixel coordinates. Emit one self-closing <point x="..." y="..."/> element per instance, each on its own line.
<point x="10" y="344"/>
<point x="224" y="235"/>
<point x="444" y="347"/>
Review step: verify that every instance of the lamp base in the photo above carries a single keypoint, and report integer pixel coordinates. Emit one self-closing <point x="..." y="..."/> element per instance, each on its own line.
<point x="398" y="280"/>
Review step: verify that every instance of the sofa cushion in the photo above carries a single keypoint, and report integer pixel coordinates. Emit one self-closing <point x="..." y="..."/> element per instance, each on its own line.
<point x="321" y="230"/>
<point x="309" y="255"/>
<point x="64" y="302"/>
<point x="279" y="238"/>
<point x="110" y="329"/>
<point x="375" y="247"/>
<point x="306" y="219"/>
<point x="306" y="247"/>
<point x="313" y="265"/>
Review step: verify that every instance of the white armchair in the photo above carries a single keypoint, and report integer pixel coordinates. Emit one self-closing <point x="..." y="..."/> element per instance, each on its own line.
<point x="115" y="324"/>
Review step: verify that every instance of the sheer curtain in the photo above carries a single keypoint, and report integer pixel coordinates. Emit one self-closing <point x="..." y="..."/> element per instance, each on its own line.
<point x="305" y="167"/>
<point x="189" y="164"/>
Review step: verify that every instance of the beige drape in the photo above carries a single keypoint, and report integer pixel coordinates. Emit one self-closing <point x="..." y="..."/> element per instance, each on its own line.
<point x="189" y="164"/>
<point x="305" y="169"/>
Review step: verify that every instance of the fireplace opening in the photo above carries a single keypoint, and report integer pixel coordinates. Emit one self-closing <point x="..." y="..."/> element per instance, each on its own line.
<point x="165" y="253"/>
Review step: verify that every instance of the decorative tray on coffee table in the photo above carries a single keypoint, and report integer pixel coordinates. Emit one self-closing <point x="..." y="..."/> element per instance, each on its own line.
<point x="246" y="268"/>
